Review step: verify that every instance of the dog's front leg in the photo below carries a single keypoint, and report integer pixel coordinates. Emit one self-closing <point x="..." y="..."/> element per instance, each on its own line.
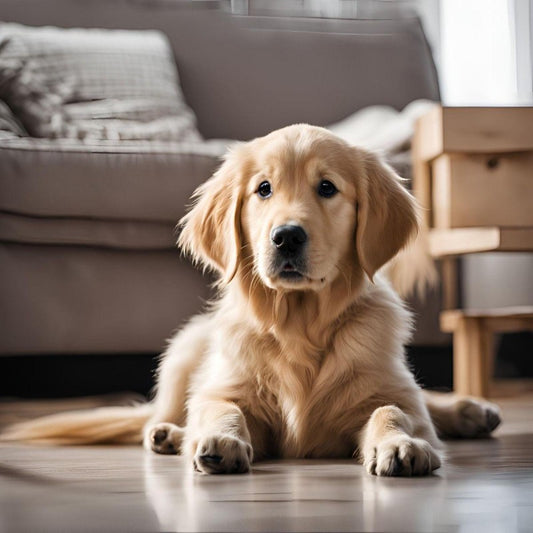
<point x="163" y="433"/>
<point x="217" y="437"/>
<point x="390" y="449"/>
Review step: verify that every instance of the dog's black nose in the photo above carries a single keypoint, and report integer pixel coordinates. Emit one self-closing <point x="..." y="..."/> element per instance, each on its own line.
<point x="288" y="239"/>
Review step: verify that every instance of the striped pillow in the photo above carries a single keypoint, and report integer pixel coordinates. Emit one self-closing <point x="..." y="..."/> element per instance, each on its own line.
<point x="106" y="84"/>
<point x="9" y="125"/>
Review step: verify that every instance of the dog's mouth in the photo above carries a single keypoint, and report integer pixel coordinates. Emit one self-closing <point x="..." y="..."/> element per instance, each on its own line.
<point x="290" y="272"/>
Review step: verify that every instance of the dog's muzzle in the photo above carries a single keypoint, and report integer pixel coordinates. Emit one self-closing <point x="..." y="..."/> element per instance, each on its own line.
<point x="289" y="241"/>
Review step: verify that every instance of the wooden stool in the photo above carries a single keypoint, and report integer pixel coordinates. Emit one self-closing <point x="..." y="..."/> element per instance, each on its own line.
<point x="472" y="173"/>
<point x="473" y="356"/>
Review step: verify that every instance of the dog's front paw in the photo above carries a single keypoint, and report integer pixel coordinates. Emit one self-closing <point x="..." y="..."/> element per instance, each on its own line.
<point x="402" y="456"/>
<point x="222" y="454"/>
<point x="476" y="418"/>
<point x="163" y="437"/>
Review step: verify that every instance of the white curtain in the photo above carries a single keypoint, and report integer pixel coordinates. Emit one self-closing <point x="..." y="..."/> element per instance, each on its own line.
<point x="485" y="52"/>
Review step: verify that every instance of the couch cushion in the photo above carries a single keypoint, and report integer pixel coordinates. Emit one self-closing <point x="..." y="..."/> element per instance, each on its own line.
<point x="92" y="83"/>
<point x="324" y="70"/>
<point x="118" y="234"/>
<point x="118" y="181"/>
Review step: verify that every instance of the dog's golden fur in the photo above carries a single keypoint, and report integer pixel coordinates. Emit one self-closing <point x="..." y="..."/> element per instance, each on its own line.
<point x="279" y="367"/>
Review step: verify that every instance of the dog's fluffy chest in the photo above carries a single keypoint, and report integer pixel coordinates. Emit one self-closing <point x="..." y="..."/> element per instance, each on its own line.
<point x="307" y="422"/>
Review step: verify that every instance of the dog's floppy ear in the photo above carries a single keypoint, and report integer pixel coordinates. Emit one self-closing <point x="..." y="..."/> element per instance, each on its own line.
<point x="386" y="214"/>
<point x="211" y="230"/>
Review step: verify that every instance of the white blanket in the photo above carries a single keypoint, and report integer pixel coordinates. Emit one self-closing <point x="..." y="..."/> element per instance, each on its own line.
<point x="379" y="128"/>
<point x="382" y="128"/>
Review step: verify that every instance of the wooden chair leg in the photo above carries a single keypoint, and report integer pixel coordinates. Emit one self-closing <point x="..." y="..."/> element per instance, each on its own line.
<point x="449" y="267"/>
<point x="472" y="357"/>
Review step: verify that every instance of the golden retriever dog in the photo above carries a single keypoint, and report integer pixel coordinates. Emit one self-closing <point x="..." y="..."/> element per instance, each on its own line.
<point x="302" y="353"/>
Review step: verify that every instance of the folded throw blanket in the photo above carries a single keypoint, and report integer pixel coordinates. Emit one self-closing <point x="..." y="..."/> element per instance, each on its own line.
<point x="385" y="130"/>
<point x="379" y="128"/>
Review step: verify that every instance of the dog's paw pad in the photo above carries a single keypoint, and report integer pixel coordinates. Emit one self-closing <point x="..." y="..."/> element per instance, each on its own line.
<point x="164" y="438"/>
<point x="223" y="454"/>
<point x="159" y="436"/>
<point x="403" y="456"/>
<point x="477" y="418"/>
<point x="211" y="459"/>
<point x="493" y="418"/>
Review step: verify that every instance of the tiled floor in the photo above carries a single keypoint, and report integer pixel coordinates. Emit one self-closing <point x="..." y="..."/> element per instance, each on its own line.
<point x="486" y="486"/>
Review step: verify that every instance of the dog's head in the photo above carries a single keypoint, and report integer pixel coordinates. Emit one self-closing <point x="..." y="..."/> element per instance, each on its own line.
<point x="299" y="207"/>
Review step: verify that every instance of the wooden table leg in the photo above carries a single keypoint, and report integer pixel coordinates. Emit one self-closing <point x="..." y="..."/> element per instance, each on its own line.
<point x="472" y="357"/>
<point x="449" y="267"/>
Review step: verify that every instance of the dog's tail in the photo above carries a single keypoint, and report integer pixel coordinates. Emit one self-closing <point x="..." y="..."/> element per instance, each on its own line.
<point x="105" y="425"/>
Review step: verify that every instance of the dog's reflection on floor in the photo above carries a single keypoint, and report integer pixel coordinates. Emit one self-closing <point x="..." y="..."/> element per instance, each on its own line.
<point x="174" y="499"/>
<point x="187" y="501"/>
<point x="300" y="495"/>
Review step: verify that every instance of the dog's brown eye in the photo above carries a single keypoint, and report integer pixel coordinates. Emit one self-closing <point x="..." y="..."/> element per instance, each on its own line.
<point x="264" y="190"/>
<point x="327" y="189"/>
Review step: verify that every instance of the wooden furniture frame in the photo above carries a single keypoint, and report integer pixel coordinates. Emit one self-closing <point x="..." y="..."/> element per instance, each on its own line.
<point x="473" y="332"/>
<point x="473" y="176"/>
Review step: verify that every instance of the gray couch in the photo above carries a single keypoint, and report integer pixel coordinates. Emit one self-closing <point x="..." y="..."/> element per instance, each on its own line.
<point x="87" y="257"/>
